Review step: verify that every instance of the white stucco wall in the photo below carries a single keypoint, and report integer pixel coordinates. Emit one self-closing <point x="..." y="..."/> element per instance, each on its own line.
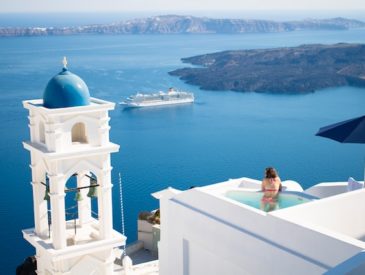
<point x="343" y="213"/>
<point x="327" y="189"/>
<point x="206" y="232"/>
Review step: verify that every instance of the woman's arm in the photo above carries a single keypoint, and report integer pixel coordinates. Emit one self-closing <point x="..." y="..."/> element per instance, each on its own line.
<point x="278" y="184"/>
<point x="263" y="185"/>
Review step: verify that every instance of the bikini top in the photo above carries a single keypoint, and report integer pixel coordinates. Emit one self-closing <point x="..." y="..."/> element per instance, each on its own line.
<point x="268" y="189"/>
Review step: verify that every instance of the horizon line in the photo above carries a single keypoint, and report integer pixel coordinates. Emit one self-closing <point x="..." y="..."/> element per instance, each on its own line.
<point x="191" y="10"/>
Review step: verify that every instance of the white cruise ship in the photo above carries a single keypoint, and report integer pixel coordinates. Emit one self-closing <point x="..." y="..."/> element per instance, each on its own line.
<point x="172" y="96"/>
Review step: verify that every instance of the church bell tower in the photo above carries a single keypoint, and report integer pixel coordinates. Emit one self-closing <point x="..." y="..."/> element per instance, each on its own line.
<point x="71" y="179"/>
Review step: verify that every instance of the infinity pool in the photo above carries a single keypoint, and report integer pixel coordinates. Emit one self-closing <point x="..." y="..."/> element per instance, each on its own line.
<point x="254" y="199"/>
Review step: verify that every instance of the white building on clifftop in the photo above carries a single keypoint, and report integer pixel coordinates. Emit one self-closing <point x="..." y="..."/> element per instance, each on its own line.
<point x="220" y="229"/>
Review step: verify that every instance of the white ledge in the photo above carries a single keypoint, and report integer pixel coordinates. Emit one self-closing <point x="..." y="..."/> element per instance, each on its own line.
<point x="85" y="150"/>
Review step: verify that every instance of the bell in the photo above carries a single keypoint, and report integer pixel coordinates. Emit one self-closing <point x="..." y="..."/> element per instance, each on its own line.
<point x="78" y="196"/>
<point x="93" y="182"/>
<point x="46" y="194"/>
<point x="93" y="192"/>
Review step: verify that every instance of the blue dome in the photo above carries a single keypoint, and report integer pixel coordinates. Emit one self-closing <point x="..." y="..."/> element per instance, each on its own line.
<point x="66" y="90"/>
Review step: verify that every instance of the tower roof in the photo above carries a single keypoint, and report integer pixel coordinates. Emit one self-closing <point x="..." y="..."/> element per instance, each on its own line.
<point x="66" y="90"/>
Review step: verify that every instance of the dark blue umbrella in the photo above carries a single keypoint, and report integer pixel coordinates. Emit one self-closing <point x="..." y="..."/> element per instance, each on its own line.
<point x="348" y="131"/>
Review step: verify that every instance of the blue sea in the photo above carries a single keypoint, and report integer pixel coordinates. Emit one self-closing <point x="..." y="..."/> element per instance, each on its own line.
<point x="223" y="135"/>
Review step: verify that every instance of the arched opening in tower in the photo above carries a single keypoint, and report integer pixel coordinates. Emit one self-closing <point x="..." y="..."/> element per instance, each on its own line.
<point x="92" y="193"/>
<point x="81" y="208"/>
<point x="71" y="210"/>
<point x="78" y="133"/>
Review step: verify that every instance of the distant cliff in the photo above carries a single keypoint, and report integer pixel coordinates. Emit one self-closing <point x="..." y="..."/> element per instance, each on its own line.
<point x="281" y="70"/>
<point x="175" y="24"/>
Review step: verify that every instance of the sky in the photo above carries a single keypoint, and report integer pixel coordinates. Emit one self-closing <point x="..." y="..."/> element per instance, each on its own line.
<point x="171" y="5"/>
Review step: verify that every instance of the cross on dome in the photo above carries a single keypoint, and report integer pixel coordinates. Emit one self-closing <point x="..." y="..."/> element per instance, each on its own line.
<point x="64" y="62"/>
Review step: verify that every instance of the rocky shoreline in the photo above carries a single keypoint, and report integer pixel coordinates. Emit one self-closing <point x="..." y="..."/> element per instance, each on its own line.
<point x="300" y="69"/>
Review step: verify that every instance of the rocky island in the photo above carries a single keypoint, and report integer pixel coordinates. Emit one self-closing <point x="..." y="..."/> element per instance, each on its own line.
<point x="177" y="24"/>
<point x="300" y="69"/>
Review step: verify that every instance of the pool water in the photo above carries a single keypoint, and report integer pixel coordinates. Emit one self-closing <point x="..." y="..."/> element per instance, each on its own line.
<point x="254" y="199"/>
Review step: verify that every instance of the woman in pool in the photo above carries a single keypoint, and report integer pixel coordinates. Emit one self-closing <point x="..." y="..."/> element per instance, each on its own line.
<point x="270" y="186"/>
